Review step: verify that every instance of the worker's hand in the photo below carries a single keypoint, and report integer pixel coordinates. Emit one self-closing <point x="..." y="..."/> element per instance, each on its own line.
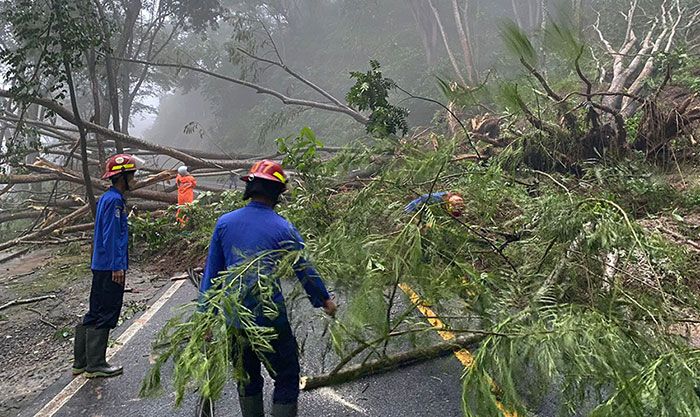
<point x="329" y="307"/>
<point x="119" y="277"/>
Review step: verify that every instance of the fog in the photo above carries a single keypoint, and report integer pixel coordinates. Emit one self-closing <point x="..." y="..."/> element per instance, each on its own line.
<point x="416" y="42"/>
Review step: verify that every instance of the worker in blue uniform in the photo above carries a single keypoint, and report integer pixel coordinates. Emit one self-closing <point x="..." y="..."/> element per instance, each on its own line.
<point x="239" y="236"/>
<point x="451" y="201"/>
<point x="110" y="261"/>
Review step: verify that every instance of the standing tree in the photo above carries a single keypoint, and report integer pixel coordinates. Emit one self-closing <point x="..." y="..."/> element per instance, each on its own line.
<point x="51" y="40"/>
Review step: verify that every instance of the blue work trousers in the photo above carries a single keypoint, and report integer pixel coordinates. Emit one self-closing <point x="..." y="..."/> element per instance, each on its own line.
<point x="283" y="368"/>
<point x="106" y="298"/>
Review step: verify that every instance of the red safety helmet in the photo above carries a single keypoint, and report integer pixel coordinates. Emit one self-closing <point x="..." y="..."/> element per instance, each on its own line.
<point x="267" y="170"/>
<point x="120" y="163"/>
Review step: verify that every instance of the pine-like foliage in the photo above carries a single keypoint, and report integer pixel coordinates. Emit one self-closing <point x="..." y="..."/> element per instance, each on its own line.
<point x="528" y="264"/>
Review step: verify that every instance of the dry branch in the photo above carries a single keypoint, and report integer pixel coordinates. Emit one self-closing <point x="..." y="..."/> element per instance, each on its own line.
<point x="680" y="237"/>
<point x="186" y="158"/>
<point x="20" y="301"/>
<point x="41" y="317"/>
<point x="64" y="221"/>
<point x="49" y="168"/>
<point x="85" y="227"/>
<point x="61" y="241"/>
<point x="14" y="255"/>
<point x="131" y="204"/>
<point x="259" y="89"/>
<point x="18" y="215"/>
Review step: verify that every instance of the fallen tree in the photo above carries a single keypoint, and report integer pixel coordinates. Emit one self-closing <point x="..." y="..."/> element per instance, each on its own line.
<point x="388" y="363"/>
<point x="63" y="221"/>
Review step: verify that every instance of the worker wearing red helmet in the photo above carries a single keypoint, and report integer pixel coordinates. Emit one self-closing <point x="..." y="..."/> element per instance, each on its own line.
<point x="110" y="260"/>
<point x="240" y="236"/>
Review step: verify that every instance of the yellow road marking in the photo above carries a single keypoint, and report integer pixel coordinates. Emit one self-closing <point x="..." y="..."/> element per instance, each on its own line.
<point x="463" y="355"/>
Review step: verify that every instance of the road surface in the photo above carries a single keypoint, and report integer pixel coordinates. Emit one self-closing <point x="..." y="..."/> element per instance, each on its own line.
<point x="429" y="389"/>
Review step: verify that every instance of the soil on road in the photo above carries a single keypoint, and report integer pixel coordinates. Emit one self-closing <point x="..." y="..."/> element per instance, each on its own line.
<point x="36" y="339"/>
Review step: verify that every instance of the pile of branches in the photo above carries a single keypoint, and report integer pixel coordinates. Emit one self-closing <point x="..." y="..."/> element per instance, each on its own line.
<point x="612" y="113"/>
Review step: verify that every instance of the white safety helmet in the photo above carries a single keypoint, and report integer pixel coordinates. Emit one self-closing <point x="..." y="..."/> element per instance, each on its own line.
<point x="182" y="170"/>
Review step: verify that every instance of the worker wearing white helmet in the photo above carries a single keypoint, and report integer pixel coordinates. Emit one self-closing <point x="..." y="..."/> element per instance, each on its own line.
<point x="185" y="191"/>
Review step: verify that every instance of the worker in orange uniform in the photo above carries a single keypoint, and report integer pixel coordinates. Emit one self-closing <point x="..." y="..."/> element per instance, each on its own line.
<point x="185" y="191"/>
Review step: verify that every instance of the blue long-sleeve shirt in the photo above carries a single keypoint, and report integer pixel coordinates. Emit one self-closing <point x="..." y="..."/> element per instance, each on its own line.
<point x="111" y="238"/>
<point x="431" y="199"/>
<point x="253" y="230"/>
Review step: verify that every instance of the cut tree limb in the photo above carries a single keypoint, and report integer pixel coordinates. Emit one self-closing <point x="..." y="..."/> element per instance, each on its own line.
<point x="388" y="363"/>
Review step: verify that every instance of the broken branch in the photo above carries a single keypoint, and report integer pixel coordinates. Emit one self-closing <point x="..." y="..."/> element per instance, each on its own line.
<point x="20" y="301"/>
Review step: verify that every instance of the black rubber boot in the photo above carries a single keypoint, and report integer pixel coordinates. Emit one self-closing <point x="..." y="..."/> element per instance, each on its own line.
<point x="252" y="406"/>
<point x="97" y="365"/>
<point x="284" y="410"/>
<point x="79" y="358"/>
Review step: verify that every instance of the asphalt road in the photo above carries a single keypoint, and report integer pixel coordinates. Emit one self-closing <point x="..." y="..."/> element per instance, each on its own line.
<point x="429" y="389"/>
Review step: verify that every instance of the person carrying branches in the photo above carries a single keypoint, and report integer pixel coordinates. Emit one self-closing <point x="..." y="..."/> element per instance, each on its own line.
<point x="242" y="235"/>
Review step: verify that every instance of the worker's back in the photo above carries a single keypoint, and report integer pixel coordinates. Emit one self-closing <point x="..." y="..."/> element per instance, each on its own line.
<point x="251" y="230"/>
<point x="254" y="230"/>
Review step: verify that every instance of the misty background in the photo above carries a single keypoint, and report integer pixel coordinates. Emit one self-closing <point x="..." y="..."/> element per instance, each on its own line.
<point x="324" y="40"/>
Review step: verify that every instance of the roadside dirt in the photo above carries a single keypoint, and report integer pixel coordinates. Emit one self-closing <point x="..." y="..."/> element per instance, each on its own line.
<point x="36" y="340"/>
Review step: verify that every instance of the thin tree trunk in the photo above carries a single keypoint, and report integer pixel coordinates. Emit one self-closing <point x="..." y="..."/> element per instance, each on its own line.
<point x="125" y="77"/>
<point x="578" y="14"/>
<point x="95" y="87"/>
<point x="457" y="71"/>
<point x="516" y="13"/>
<point x="425" y="32"/>
<point x="543" y="29"/>
<point x="464" y="41"/>
<point x="90" y="194"/>
<point x="111" y="76"/>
